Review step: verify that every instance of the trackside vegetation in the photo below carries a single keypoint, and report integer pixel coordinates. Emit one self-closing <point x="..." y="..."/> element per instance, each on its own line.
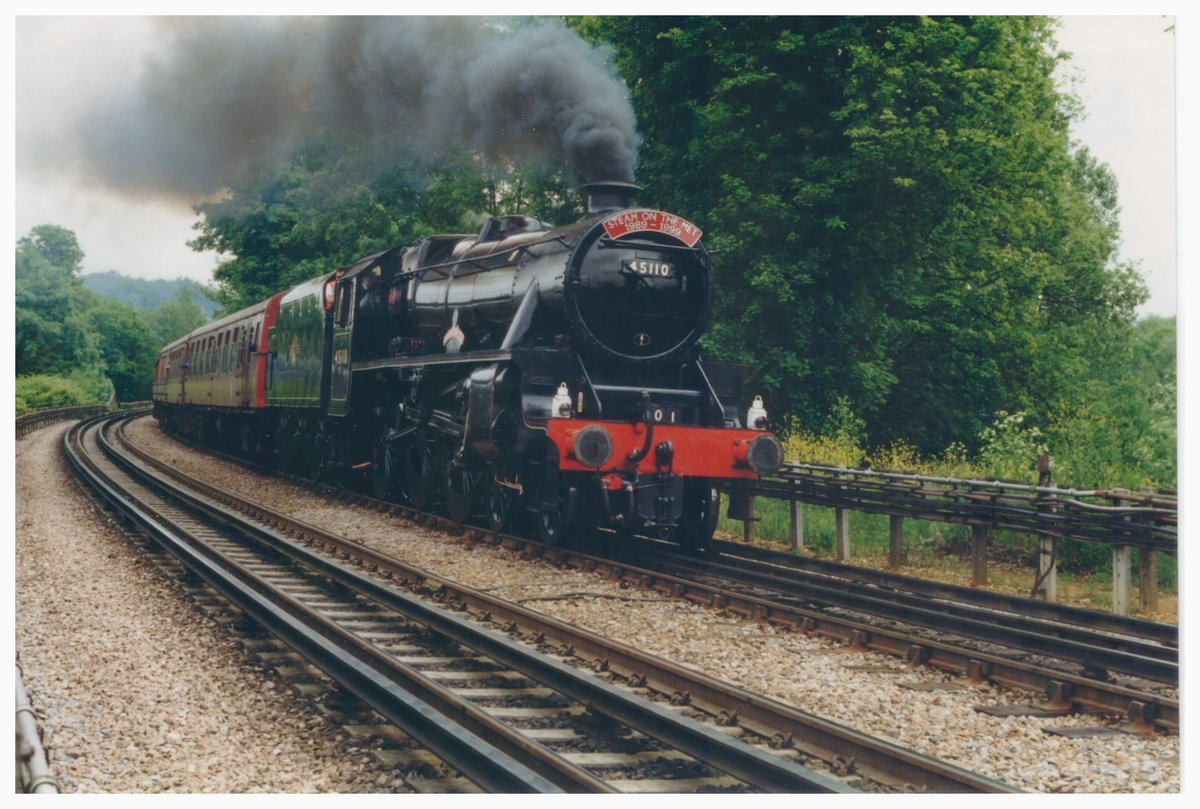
<point x="75" y="347"/>
<point x="911" y="252"/>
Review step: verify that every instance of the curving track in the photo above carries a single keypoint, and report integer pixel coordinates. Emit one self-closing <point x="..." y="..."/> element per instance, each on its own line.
<point x="507" y="717"/>
<point x="1078" y="660"/>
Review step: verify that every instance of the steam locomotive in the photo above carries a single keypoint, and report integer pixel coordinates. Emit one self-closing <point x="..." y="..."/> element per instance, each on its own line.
<point x="537" y="377"/>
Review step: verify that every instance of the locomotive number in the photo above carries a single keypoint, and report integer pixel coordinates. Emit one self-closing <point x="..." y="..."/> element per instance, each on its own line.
<point x="665" y="415"/>
<point x="649" y="269"/>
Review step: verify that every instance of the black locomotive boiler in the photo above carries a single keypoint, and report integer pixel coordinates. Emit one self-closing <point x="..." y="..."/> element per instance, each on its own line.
<point x="528" y="375"/>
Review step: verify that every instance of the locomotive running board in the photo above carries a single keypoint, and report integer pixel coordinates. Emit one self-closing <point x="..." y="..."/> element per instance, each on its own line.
<point x="432" y="359"/>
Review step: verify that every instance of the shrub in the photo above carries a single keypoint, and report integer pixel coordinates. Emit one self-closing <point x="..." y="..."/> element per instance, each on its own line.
<point x="41" y="390"/>
<point x="1010" y="448"/>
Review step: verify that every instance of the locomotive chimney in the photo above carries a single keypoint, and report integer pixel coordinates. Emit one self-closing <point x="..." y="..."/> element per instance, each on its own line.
<point x="610" y="196"/>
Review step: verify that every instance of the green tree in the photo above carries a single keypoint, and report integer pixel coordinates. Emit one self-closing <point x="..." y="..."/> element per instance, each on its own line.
<point x="894" y="208"/>
<point x="71" y="343"/>
<point x="51" y="336"/>
<point x="173" y="320"/>
<point x="127" y="345"/>
<point x="325" y="211"/>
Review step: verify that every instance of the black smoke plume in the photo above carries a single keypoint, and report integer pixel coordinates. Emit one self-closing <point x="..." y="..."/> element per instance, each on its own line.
<point x="234" y="95"/>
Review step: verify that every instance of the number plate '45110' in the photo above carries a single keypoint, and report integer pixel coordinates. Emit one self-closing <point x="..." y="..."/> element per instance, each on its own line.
<point x="648" y="269"/>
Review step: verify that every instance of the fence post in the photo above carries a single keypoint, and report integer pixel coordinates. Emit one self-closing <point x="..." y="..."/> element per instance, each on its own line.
<point x="748" y="522"/>
<point x="1149" y="588"/>
<point x="797" y="526"/>
<point x="1047" y="572"/>
<point x="1046" y="584"/>
<point x="1122" y="574"/>
<point x="979" y="573"/>
<point x="896" y="546"/>
<point x="1122" y="578"/>
<point x="842" y="519"/>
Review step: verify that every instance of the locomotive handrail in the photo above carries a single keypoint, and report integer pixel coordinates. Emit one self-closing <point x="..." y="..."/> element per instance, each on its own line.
<point x="606" y="242"/>
<point x="432" y="359"/>
<point x="401" y="276"/>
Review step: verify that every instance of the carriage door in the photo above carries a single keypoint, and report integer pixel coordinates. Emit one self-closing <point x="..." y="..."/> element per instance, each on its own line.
<point x="181" y="363"/>
<point x="339" y="366"/>
<point x="243" y="355"/>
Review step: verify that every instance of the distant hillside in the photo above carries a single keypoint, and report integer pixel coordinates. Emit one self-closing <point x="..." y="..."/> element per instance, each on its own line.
<point x="143" y="294"/>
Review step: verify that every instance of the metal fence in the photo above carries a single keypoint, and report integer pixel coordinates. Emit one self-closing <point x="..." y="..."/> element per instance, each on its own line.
<point x="33" y="773"/>
<point x="36" y="419"/>
<point x="1147" y="521"/>
<point x="1112" y="516"/>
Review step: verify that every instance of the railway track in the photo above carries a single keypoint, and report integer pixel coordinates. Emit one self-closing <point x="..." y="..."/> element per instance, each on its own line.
<point x="504" y="715"/>
<point x="1097" y="623"/>
<point x="1078" y="682"/>
<point x="1095" y="644"/>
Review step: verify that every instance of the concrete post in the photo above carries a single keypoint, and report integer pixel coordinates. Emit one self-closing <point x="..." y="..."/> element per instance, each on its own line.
<point x="1122" y="577"/>
<point x="1047" y="566"/>
<point x="797" y="526"/>
<point x="1122" y="574"/>
<point x="1047" y="571"/>
<point x="842" y="519"/>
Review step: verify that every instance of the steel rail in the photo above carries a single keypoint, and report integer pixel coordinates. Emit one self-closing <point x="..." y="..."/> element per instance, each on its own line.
<point x="1064" y="691"/>
<point x="882" y="760"/>
<point x="733" y="756"/>
<point x="1163" y="634"/>
<point x="1150" y="661"/>
<point x="743" y="761"/>
<point x="484" y="764"/>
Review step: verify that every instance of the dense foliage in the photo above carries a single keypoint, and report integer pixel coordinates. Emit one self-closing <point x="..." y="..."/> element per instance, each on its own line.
<point x="910" y="251"/>
<point x="897" y="214"/>
<point x="322" y="213"/>
<point x="74" y="346"/>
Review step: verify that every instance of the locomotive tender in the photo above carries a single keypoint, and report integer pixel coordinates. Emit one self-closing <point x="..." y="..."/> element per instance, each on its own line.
<point x="525" y="373"/>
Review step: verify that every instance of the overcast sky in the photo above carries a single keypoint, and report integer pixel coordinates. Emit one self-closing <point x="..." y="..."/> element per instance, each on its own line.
<point x="1125" y="66"/>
